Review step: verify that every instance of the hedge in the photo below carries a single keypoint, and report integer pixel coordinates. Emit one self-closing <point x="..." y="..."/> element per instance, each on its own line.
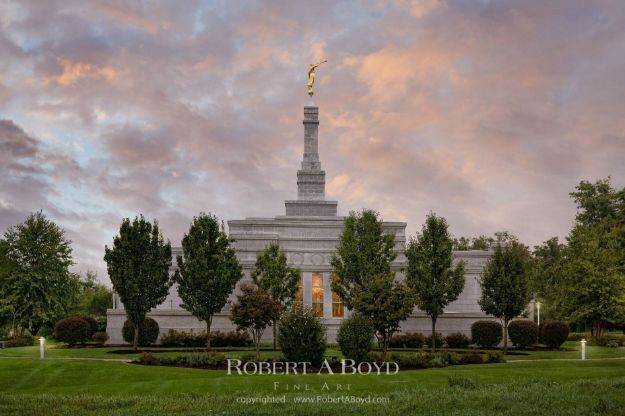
<point x="148" y="332"/>
<point x="355" y="336"/>
<point x="553" y="333"/>
<point x="523" y="332"/>
<point x="73" y="330"/>
<point x="486" y="333"/>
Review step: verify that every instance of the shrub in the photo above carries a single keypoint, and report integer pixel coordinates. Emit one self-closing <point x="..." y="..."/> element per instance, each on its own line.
<point x="101" y="320"/>
<point x="374" y="357"/>
<point x="470" y="358"/>
<point x="100" y="337"/>
<point x="440" y="340"/>
<point x="21" y="341"/>
<point x="173" y="338"/>
<point x="495" y="357"/>
<point x="407" y="340"/>
<point x="437" y="362"/>
<point x="486" y="333"/>
<point x="457" y="340"/>
<point x="148" y="359"/>
<point x="148" y="332"/>
<point x="408" y="361"/>
<point x="72" y="331"/>
<point x="301" y="336"/>
<point x="609" y="339"/>
<point x="93" y="324"/>
<point x="553" y="333"/>
<point x="355" y="336"/>
<point x="523" y="332"/>
<point x="578" y="336"/>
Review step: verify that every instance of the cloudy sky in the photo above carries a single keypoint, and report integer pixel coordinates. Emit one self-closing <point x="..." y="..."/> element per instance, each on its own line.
<point x="485" y="112"/>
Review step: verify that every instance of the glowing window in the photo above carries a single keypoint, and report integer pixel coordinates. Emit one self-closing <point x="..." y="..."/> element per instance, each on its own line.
<point x="317" y="293"/>
<point x="338" y="310"/>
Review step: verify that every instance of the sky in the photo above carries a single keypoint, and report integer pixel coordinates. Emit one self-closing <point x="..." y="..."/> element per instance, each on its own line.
<point x="485" y="112"/>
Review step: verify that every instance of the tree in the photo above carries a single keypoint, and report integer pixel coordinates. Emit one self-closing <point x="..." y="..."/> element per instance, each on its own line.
<point x="504" y="283"/>
<point x="254" y="311"/>
<point x="599" y="203"/>
<point x="138" y="266"/>
<point x="476" y="243"/>
<point x="546" y="271"/>
<point x="386" y="303"/>
<point x="364" y="250"/>
<point x="91" y="297"/>
<point x="430" y="273"/>
<point x="208" y="271"/>
<point x="35" y="279"/>
<point x="591" y="282"/>
<point x="272" y="274"/>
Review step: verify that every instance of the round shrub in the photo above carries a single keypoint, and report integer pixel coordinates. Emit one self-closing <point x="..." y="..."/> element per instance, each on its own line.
<point x="523" y="332"/>
<point x="72" y="331"/>
<point x="407" y="340"/>
<point x="93" y="324"/>
<point x="486" y="333"/>
<point x="148" y="332"/>
<point x="301" y="336"/>
<point x="100" y="337"/>
<point x="440" y="340"/>
<point x="553" y="333"/>
<point x="355" y="336"/>
<point x="457" y="340"/>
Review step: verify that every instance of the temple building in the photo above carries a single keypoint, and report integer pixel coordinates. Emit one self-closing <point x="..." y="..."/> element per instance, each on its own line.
<point x="309" y="232"/>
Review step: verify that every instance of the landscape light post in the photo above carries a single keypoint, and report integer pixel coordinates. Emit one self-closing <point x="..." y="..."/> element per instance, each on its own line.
<point x="583" y="341"/>
<point x="538" y="308"/>
<point x="42" y="347"/>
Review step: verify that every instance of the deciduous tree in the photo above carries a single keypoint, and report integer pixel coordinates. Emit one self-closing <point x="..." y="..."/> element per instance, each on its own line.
<point x="138" y="265"/>
<point x="504" y="283"/>
<point x="208" y="270"/>
<point x="430" y="273"/>
<point x="272" y="274"/>
<point x="364" y="250"/>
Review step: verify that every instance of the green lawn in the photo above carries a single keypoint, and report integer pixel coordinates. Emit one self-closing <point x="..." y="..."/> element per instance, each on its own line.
<point x="77" y="387"/>
<point x="55" y="350"/>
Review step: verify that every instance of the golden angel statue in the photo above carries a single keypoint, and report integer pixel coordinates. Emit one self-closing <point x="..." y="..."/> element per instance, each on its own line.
<point x="311" y="76"/>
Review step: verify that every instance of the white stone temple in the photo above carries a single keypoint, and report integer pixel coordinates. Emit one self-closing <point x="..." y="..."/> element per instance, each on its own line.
<point x="309" y="233"/>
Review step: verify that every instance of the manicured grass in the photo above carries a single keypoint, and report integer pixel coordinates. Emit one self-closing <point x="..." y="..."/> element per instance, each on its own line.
<point x="56" y="350"/>
<point x="64" y="387"/>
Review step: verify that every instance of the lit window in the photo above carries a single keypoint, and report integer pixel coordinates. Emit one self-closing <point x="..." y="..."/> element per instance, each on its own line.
<point x="337" y="304"/>
<point x="317" y="293"/>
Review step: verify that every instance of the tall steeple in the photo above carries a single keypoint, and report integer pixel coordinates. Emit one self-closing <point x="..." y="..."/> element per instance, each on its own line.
<point x="311" y="180"/>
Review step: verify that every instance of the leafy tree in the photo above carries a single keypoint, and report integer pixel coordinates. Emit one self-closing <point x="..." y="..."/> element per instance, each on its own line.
<point x="386" y="303"/>
<point x="272" y="274"/>
<point x="476" y="243"/>
<point x="254" y="311"/>
<point x="591" y="282"/>
<point x="208" y="271"/>
<point x="91" y="297"/>
<point x="599" y="203"/>
<point x="364" y="250"/>
<point x="138" y="266"/>
<point x="504" y="283"/>
<point x="35" y="280"/>
<point x="430" y="273"/>
<point x="546" y="271"/>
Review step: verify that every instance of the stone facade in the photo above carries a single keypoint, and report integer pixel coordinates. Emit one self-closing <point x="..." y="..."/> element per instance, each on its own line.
<point x="309" y="234"/>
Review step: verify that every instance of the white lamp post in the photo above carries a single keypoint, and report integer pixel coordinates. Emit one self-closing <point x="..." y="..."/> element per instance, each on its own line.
<point x="583" y="341"/>
<point x="42" y="347"/>
<point x="538" y="308"/>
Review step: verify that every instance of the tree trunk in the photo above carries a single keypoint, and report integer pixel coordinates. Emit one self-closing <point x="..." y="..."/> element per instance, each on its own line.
<point x="385" y="346"/>
<point x="433" y="333"/>
<point x="505" y="336"/>
<point x="275" y="331"/>
<point x="208" y="334"/>
<point x="135" y="342"/>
